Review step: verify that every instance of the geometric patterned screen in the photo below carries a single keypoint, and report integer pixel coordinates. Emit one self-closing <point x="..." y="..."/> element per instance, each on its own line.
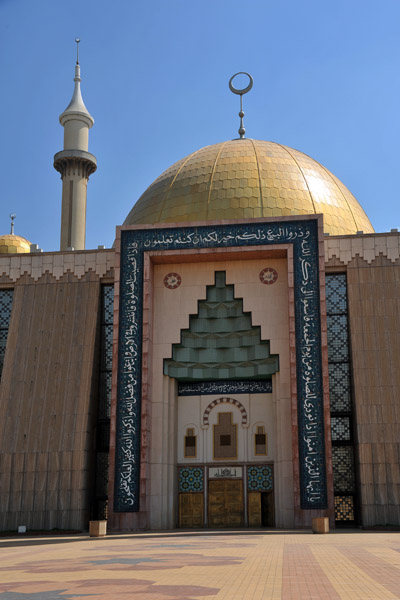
<point x="340" y="399"/>
<point x="344" y="509"/>
<point x="107" y="319"/>
<point x="100" y="508"/>
<point x="343" y="468"/>
<point x="339" y="387"/>
<point x="340" y="429"/>
<point x="6" y="299"/>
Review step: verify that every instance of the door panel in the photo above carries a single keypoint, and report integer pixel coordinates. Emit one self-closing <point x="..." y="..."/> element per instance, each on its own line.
<point x="225" y="503"/>
<point x="254" y="501"/>
<point x="191" y="510"/>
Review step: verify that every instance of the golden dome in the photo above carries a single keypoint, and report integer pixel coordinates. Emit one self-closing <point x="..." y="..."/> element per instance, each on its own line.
<point x="246" y="178"/>
<point x="14" y="244"/>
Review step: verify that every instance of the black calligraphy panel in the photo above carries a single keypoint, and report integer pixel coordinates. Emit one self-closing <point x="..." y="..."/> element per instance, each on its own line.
<point x="303" y="236"/>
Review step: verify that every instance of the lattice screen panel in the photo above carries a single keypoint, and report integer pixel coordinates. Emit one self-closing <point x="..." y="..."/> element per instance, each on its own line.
<point x="104" y="402"/>
<point x="344" y="481"/>
<point x="344" y="508"/>
<point x="338" y="349"/>
<point x="336" y="294"/>
<point x="339" y="387"/>
<point x="343" y="468"/>
<point x="6" y="299"/>
<point x="340" y="429"/>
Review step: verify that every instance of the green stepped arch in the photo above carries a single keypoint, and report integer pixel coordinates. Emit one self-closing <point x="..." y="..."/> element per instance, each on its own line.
<point x="221" y="342"/>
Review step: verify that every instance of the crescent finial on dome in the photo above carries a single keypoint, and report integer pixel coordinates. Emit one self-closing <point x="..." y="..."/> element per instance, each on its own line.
<point x="240" y="92"/>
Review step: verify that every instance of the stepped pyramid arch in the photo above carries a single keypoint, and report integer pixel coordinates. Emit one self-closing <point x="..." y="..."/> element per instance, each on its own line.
<point x="221" y="342"/>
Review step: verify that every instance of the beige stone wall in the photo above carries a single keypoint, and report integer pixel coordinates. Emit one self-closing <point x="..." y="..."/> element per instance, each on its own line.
<point x="343" y="249"/>
<point x="374" y="310"/>
<point x="48" y="390"/>
<point x="373" y="274"/>
<point x="58" y="264"/>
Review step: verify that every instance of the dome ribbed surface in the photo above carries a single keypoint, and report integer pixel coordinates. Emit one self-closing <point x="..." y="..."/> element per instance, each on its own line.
<point x="241" y="179"/>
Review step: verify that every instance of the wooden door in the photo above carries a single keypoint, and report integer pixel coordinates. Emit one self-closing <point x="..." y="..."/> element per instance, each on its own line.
<point x="254" y="505"/>
<point x="191" y="510"/>
<point x="225" y="503"/>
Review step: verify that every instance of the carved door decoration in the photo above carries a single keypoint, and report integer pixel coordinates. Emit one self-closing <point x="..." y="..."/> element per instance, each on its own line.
<point x="191" y="510"/>
<point x="254" y="509"/>
<point x="225" y="503"/>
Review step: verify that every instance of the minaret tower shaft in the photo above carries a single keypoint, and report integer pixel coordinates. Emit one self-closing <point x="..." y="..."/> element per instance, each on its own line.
<point x="75" y="164"/>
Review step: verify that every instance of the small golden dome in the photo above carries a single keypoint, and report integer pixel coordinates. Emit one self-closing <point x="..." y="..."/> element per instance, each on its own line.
<point x="245" y="178"/>
<point x="14" y="244"/>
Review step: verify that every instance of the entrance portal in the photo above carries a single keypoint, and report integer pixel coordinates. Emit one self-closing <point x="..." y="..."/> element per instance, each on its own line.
<point x="261" y="509"/>
<point x="225" y="503"/>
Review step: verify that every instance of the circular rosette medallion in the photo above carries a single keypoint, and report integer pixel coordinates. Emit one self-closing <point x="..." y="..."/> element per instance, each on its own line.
<point x="172" y="281"/>
<point x="268" y="276"/>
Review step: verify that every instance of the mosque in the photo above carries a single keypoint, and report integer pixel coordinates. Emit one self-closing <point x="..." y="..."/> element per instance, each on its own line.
<point x="233" y="360"/>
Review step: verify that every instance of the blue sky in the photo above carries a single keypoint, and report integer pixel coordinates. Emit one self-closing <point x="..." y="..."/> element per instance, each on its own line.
<point x="155" y="78"/>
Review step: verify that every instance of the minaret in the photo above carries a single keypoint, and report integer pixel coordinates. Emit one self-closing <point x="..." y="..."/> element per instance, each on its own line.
<point x="75" y="164"/>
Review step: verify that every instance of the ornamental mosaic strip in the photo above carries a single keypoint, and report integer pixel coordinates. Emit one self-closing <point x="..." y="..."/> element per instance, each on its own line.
<point x="208" y="388"/>
<point x="191" y="479"/>
<point x="303" y="235"/>
<point x="260" y="479"/>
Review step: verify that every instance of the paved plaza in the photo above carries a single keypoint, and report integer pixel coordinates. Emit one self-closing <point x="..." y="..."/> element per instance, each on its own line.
<point x="229" y="565"/>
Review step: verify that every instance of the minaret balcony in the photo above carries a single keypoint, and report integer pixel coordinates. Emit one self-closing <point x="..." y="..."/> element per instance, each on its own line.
<point x="75" y="162"/>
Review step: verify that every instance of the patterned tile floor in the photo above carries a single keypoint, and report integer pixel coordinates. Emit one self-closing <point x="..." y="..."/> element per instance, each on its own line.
<point x="242" y="565"/>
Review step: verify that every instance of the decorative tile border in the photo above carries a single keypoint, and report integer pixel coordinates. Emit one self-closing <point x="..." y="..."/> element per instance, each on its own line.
<point x="208" y="388"/>
<point x="260" y="478"/>
<point x="303" y="235"/>
<point x="191" y="479"/>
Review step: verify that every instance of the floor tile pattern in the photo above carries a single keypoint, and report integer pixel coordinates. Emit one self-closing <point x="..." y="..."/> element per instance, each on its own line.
<point x="229" y="565"/>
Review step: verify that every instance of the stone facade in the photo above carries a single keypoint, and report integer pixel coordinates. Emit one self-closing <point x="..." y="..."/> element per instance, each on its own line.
<point x="49" y="384"/>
